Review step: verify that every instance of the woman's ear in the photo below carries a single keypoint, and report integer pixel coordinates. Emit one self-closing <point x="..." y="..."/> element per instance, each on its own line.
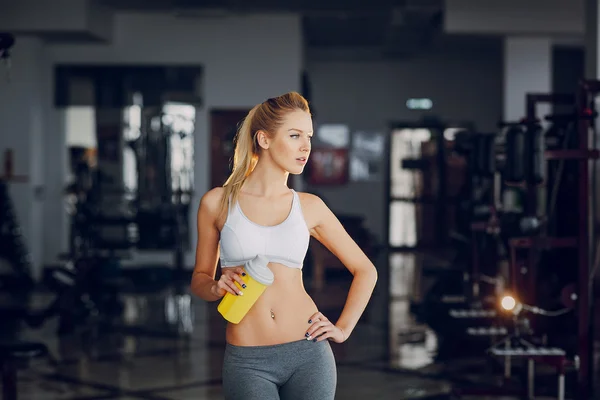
<point x="262" y="139"/>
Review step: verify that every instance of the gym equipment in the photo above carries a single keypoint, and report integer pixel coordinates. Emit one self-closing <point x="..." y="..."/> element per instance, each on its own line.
<point x="155" y="106"/>
<point x="84" y="285"/>
<point x="582" y="155"/>
<point x="526" y="137"/>
<point x="12" y="354"/>
<point x="7" y="41"/>
<point x="484" y="215"/>
<point x="164" y="158"/>
<point x="482" y="275"/>
<point x="163" y="150"/>
<point x="542" y="171"/>
<point x="532" y="353"/>
<point x="423" y="181"/>
<point x="455" y="304"/>
<point x="517" y="346"/>
<point x="156" y="216"/>
<point x="12" y="245"/>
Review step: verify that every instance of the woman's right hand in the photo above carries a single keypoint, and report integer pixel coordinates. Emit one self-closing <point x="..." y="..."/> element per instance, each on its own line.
<point x="225" y="284"/>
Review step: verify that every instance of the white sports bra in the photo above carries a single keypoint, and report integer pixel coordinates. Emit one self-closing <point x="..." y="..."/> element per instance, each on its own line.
<point x="286" y="243"/>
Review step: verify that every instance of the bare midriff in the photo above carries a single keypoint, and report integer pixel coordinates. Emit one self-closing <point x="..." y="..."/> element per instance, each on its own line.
<point x="280" y="315"/>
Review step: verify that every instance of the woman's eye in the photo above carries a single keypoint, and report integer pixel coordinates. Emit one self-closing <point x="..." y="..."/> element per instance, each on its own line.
<point x="295" y="136"/>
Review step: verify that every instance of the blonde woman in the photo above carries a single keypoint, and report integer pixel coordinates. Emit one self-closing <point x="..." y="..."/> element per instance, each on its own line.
<point x="280" y="350"/>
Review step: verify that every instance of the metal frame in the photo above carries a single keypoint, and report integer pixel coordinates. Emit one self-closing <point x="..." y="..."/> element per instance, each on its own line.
<point x="536" y="243"/>
<point x="582" y="241"/>
<point x="586" y="89"/>
<point x="582" y="154"/>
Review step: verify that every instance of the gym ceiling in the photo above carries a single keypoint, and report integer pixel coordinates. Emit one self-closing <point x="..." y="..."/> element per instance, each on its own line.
<point x="398" y="27"/>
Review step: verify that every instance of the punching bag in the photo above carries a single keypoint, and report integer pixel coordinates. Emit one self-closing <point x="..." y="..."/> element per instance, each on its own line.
<point x="485" y="154"/>
<point x="515" y="166"/>
<point x="536" y="171"/>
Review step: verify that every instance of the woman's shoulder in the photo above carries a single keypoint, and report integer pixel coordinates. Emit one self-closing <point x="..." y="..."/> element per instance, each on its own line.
<point x="211" y="200"/>
<point x="311" y="201"/>
<point x="315" y="210"/>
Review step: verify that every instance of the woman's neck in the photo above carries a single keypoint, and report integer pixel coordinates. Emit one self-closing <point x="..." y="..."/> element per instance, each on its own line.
<point x="266" y="180"/>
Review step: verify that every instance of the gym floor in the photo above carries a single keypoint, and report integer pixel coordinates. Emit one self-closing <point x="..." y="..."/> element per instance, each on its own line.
<point x="161" y="351"/>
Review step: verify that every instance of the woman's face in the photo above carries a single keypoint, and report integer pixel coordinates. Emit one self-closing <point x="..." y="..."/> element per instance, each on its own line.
<point x="290" y="147"/>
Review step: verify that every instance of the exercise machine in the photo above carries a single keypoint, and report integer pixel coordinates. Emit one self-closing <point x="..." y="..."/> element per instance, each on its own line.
<point x="14" y="353"/>
<point x="13" y="249"/>
<point x="547" y="186"/>
<point x="89" y="286"/>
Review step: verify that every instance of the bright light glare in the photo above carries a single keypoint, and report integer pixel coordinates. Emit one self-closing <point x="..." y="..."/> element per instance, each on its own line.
<point x="508" y="303"/>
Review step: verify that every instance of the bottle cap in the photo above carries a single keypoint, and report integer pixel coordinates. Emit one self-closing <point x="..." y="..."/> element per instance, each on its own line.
<point x="258" y="270"/>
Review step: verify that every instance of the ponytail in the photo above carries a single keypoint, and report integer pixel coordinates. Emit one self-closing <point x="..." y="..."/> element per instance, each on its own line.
<point x="245" y="157"/>
<point x="267" y="116"/>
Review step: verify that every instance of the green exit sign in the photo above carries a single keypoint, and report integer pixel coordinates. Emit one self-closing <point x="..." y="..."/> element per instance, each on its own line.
<point x="419" y="104"/>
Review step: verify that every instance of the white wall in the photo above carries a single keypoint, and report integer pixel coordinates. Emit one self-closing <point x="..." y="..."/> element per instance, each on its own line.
<point x="368" y="95"/>
<point x="245" y="60"/>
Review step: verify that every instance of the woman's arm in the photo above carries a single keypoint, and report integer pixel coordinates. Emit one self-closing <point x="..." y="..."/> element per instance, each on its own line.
<point x="203" y="282"/>
<point x="327" y="229"/>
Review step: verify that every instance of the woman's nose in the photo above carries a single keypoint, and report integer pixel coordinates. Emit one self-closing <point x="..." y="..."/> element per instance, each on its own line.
<point x="305" y="145"/>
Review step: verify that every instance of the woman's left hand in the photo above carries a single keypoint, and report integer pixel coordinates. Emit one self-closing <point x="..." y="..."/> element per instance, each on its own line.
<point x="322" y="328"/>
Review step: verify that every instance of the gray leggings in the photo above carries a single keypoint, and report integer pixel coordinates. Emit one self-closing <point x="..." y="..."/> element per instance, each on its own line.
<point x="301" y="370"/>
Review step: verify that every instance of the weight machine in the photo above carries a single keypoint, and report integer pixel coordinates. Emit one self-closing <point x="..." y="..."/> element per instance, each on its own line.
<point x="12" y="246"/>
<point x="155" y="217"/>
<point x="13" y="351"/>
<point x="545" y="307"/>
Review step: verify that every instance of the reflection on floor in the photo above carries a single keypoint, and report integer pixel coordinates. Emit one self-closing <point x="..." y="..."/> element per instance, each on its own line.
<point x="159" y="351"/>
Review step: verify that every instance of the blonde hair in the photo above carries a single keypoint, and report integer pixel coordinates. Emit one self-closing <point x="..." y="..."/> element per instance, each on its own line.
<point x="267" y="117"/>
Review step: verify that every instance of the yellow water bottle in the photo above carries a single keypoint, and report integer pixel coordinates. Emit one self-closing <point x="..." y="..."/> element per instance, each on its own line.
<point x="258" y="278"/>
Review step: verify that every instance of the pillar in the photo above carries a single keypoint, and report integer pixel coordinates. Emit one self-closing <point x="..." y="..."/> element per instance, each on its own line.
<point x="592" y="18"/>
<point x="527" y="69"/>
<point x="592" y="71"/>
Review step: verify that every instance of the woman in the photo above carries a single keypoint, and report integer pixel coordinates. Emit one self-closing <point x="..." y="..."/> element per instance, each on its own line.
<point x="279" y="350"/>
